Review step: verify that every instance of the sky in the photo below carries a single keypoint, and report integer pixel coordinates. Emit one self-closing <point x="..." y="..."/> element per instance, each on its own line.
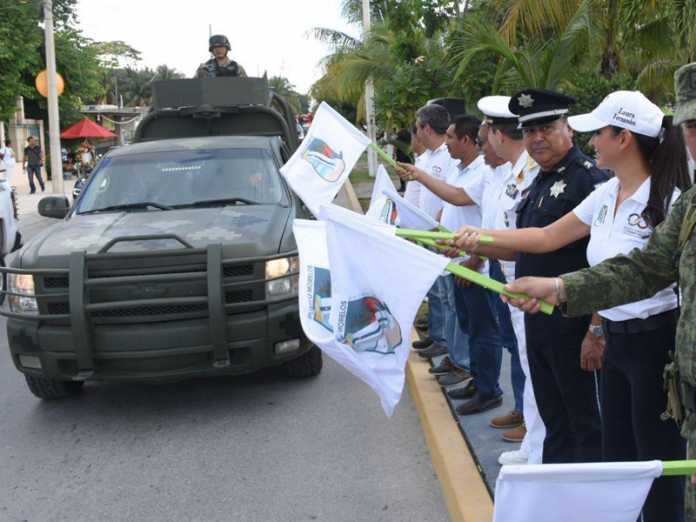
<point x="266" y="35"/>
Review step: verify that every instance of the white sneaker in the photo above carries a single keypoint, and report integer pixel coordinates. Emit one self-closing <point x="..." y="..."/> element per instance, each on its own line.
<point x="513" y="457"/>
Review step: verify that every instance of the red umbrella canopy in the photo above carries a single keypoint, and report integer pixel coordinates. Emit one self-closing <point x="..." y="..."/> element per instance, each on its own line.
<point x="86" y="129"/>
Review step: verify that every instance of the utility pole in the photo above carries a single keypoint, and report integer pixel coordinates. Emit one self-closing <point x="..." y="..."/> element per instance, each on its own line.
<point x="53" y="114"/>
<point x="369" y="98"/>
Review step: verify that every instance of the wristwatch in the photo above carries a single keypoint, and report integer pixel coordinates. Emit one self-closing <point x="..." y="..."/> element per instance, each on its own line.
<point x="596" y="330"/>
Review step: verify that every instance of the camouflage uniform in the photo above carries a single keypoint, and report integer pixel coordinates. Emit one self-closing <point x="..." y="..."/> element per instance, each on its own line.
<point x="211" y="69"/>
<point x="669" y="256"/>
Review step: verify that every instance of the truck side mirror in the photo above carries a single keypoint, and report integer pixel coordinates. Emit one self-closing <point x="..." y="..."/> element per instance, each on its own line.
<point x="54" y="207"/>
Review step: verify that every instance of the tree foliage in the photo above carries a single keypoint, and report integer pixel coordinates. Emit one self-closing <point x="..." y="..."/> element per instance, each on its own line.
<point x="422" y="49"/>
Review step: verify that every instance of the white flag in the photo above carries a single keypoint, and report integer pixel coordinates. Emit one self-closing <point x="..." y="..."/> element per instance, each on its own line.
<point x="354" y="303"/>
<point x="606" y="492"/>
<point x="408" y="215"/>
<point x="382" y="207"/>
<point x="324" y="159"/>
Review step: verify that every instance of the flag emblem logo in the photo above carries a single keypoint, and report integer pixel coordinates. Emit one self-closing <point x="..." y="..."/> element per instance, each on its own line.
<point x="320" y="287"/>
<point x="389" y="213"/>
<point x="325" y="161"/>
<point x="366" y="325"/>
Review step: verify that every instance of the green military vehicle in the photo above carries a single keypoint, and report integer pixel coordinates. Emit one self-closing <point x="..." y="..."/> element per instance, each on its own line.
<point x="177" y="260"/>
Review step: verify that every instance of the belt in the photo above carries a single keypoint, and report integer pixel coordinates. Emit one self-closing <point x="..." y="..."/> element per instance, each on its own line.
<point x="634" y="326"/>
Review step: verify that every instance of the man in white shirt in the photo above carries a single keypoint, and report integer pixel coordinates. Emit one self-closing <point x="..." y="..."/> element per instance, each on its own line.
<point x="431" y="126"/>
<point x="506" y="139"/>
<point x="475" y="307"/>
<point x="412" y="192"/>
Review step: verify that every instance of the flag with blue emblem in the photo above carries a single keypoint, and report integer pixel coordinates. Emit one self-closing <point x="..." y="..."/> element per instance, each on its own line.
<point x="353" y="302"/>
<point x="324" y="159"/>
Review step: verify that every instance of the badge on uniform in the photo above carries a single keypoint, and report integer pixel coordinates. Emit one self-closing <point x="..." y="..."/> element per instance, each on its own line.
<point x="558" y="188"/>
<point x="511" y="190"/>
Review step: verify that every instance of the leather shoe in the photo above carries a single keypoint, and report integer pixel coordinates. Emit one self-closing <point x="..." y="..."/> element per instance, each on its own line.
<point x="516" y="434"/>
<point x="433" y="350"/>
<point x="467" y="392"/>
<point x="479" y="404"/>
<point x="421" y="344"/>
<point x="513" y="419"/>
<point x="445" y="366"/>
<point x="455" y="376"/>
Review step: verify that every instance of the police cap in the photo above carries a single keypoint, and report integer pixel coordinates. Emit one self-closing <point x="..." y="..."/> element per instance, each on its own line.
<point x="218" y="40"/>
<point x="539" y="106"/>
<point x="495" y="110"/>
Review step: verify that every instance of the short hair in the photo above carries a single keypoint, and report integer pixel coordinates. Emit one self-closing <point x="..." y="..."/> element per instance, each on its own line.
<point x="414" y="129"/>
<point x="509" y="129"/>
<point x="434" y="115"/>
<point x="466" y="125"/>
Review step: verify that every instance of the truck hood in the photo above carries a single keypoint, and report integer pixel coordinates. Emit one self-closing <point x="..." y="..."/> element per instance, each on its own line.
<point x="244" y="231"/>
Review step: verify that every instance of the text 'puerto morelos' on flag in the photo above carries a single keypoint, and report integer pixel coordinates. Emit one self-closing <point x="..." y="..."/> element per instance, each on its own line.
<point x="353" y="301"/>
<point x="606" y="492"/>
<point x="324" y="159"/>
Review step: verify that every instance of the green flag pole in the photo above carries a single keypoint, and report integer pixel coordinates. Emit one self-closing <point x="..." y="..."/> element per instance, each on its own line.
<point x="678" y="467"/>
<point x="436" y="235"/>
<point x="434" y="244"/>
<point x="386" y="157"/>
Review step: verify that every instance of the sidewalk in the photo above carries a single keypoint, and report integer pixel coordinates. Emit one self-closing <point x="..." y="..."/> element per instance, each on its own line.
<point x="27" y="203"/>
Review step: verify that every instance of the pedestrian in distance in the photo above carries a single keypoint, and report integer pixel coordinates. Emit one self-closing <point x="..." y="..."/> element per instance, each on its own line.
<point x="33" y="161"/>
<point x="220" y="64"/>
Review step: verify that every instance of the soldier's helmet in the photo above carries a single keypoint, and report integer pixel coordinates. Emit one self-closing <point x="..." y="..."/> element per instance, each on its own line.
<point x="218" y="40"/>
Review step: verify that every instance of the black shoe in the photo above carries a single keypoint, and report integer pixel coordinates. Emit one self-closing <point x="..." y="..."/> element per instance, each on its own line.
<point x="421" y="344"/>
<point x="478" y="404"/>
<point x="433" y="350"/>
<point x="32" y="192"/>
<point x="454" y="377"/>
<point x="445" y="366"/>
<point x="466" y="392"/>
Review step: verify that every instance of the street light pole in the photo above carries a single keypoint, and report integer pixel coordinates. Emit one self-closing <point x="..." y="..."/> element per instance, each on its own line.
<point x="369" y="98"/>
<point x="53" y="114"/>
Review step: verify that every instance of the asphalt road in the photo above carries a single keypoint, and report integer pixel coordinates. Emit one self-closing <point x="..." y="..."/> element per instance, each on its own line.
<point x="257" y="448"/>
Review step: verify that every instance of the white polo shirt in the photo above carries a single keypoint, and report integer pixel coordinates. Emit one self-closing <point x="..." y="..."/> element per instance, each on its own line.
<point x="413" y="188"/>
<point x="439" y="164"/>
<point x="472" y="178"/>
<point x="611" y="235"/>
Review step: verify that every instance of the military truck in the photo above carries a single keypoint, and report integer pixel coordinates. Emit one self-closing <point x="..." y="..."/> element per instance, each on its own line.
<point x="178" y="258"/>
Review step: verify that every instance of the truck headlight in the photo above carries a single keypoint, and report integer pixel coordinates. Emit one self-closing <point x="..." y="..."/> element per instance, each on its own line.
<point x="283" y="266"/>
<point x="284" y="277"/>
<point x="22" y="284"/>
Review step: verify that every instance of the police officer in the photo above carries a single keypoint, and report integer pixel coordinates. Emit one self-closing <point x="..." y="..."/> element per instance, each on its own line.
<point x="220" y="64"/>
<point x="565" y="394"/>
<point x="668" y="257"/>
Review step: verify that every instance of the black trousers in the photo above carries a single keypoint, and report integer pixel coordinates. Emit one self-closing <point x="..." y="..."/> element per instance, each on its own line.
<point x="632" y="399"/>
<point x="565" y="394"/>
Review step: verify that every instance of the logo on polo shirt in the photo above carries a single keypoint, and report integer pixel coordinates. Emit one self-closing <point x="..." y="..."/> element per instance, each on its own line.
<point x="601" y="216"/>
<point x="636" y="220"/>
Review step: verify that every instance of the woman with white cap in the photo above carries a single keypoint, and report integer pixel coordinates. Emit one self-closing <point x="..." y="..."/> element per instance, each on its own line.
<point x="634" y="139"/>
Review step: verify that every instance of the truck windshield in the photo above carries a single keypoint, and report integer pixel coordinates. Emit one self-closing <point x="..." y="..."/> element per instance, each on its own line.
<point x="162" y="180"/>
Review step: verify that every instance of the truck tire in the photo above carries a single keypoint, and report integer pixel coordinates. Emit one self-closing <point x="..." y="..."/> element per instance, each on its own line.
<point x="51" y="389"/>
<point x="306" y="365"/>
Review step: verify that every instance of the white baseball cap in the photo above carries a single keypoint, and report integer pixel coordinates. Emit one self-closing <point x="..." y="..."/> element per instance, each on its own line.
<point x="629" y="110"/>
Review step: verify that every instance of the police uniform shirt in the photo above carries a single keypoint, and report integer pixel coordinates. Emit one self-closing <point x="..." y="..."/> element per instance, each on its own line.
<point x="613" y="234"/>
<point x="491" y="194"/>
<point x="553" y="194"/>
<point x="512" y="190"/>
<point x="439" y="164"/>
<point x="413" y="188"/>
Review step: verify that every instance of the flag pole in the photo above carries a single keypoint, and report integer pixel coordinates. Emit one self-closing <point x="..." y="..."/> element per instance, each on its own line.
<point x="383" y="155"/>
<point x="436" y="235"/>
<point x="678" y="467"/>
<point x="491" y="284"/>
